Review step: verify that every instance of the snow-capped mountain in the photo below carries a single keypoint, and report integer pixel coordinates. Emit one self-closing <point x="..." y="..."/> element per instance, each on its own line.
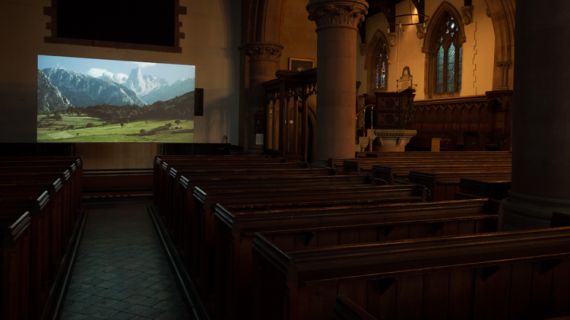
<point x="83" y="90"/>
<point x="143" y="84"/>
<point x="115" y="77"/>
<point x="168" y="92"/>
<point x="49" y="97"/>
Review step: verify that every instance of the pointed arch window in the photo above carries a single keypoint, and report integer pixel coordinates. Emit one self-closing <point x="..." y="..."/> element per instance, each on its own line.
<point x="377" y="54"/>
<point x="447" y="57"/>
<point x="381" y="66"/>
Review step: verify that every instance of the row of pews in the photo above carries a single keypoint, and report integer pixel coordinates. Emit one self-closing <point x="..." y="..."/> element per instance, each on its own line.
<point x="39" y="209"/>
<point x="444" y="173"/>
<point x="516" y="275"/>
<point x="265" y="238"/>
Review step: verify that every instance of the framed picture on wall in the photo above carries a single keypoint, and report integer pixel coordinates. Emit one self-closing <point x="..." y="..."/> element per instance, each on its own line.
<point x="298" y="64"/>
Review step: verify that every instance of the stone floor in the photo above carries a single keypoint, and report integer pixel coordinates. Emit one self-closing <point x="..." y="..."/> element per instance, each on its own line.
<point x="121" y="271"/>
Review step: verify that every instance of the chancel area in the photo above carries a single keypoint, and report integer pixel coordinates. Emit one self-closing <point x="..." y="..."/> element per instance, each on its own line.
<point x="284" y="159"/>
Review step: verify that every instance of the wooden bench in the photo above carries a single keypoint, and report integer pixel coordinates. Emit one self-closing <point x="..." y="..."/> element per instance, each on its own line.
<point x="495" y="187"/>
<point x="386" y="158"/>
<point x="173" y="196"/>
<point x="258" y="199"/>
<point x="490" y="276"/>
<point x="444" y="185"/>
<point x="48" y="192"/>
<point x="170" y="186"/>
<point x="346" y="309"/>
<point x="163" y="164"/>
<point x="182" y="215"/>
<point x="14" y="264"/>
<point x="302" y="228"/>
<point x="419" y="154"/>
<point x="400" y="173"/>
<point x="190" y="225"/>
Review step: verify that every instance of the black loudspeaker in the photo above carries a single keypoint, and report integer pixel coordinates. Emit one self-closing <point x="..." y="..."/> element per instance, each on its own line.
<point x="199" y="102"/>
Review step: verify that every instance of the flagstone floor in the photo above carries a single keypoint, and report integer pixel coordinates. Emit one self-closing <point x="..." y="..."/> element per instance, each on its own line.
<point x="121" y="270"/>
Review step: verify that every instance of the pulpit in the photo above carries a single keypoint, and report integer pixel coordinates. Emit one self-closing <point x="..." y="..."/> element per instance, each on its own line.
<point x="393" y="140"/>
<point x="393" y="113"/>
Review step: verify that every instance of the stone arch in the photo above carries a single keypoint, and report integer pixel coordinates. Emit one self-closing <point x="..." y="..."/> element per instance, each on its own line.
<point x="444" y="9"/>
<point x="502" y="13"/>
<point x="262" y="20"/>
<point x="261" y="51"/>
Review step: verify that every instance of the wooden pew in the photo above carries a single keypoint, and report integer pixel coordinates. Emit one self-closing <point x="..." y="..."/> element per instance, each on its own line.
<point x="162" y="164"/>
<point x="397" y="170"/>
<point x="70" y="169"/>
<point x="361" y="166"/>
<point x="399" y="173"/>
<point x="185" y="225"/>
<point x="258" y="199"/>
<point x="170" y="185"/>
<point x="418" y="154"/>
<point x="58" y="185"/>
<point x="444" y="185"/>
<point x="490" y="276"/>
<point x="251" y="181"/>
<point x="346" y="309"/>
<point x="173" y="196"/>
<point x="14" y="264"/>
<point x="168" y="177"/>
<point x="49" y="190"/>
<point x="41" y="262"/>
<point x="386" y="158"/>
<point x="496" y="188"/>
<point x="305" y="227"/>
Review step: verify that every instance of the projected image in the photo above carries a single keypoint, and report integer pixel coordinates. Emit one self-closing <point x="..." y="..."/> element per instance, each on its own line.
<point x="95" y="100"/>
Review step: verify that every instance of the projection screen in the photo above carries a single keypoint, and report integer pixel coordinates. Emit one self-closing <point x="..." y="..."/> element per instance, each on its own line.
<point x="96" y="100"/>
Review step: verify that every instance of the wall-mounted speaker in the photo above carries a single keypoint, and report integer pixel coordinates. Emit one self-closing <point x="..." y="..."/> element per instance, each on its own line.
<point x="199" y="102"/>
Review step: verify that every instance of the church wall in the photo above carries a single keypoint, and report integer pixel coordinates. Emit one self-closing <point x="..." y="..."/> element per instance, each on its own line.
<point x="478" y="50"/>
<point x="211" y="43"/>
<point x="298" y="35"/>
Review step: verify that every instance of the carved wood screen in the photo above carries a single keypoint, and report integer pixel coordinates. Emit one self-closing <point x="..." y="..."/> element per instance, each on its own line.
<point x="468" y="123"/>
<point x="289" y="129"/>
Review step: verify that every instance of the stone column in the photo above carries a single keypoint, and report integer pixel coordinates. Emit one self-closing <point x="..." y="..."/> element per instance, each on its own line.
<point x="337" y="22"/>
<point x="263" y="62"/>
<point x="541" y="116"/>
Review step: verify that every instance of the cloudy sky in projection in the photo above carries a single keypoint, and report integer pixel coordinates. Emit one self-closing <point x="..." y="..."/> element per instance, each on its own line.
<point x="118" y="68"/>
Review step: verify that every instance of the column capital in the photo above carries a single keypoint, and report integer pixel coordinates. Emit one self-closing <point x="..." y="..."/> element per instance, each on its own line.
<point x="337" y="13"/>
<point x="263" y="51"/>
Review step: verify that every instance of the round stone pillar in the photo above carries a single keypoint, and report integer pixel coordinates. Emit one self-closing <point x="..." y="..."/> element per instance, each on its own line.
<point x="337" y="22"/>
<point x="541" y="116"/>
<point x="263" y="62"/>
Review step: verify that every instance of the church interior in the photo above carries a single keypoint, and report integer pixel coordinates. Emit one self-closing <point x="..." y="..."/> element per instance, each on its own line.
<point x="284" y="159"/>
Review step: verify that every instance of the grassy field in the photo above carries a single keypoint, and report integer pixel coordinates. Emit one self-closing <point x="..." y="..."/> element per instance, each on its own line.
<point x="80" y="128"/>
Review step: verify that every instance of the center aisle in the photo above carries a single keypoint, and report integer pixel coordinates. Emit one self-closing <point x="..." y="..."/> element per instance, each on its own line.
<point x="121" y="270"/>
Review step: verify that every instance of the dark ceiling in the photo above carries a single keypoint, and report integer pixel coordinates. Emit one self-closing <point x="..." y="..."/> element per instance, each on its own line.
<point x="376" y="6"/>
<point x="388" y="7"/>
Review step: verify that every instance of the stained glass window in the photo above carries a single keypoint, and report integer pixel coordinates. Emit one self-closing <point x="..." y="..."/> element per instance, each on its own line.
<point x="439" y="68"/>
<point x="448" y="57"/>
<point x="451" y="68"/>
<point x="381" y="65"/>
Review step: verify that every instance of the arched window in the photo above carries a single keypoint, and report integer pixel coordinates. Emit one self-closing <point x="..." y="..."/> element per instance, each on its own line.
<point x="448" y="61"/>
<point x="377" y="63"/>
<point x="445" y="54"/>
<point x="381" y="66"/>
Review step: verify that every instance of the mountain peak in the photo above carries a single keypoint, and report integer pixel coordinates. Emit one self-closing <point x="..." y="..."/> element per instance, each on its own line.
<point x="143" y="84"/>
<point x="84" y="90"/>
